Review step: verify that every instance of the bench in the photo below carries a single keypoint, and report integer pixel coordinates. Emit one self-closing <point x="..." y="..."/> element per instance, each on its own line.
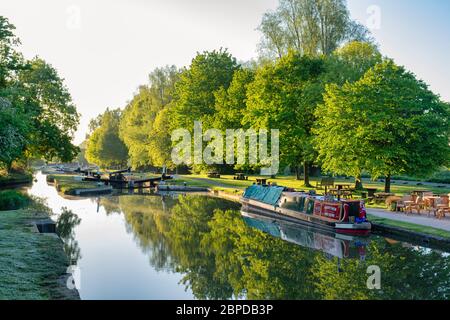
<point x="325" y="182"/>
<point x="214" y="175"/>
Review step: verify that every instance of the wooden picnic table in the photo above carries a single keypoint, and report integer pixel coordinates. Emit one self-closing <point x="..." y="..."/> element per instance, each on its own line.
<point x="341" y="186"/>
<point x="240" y="176"/>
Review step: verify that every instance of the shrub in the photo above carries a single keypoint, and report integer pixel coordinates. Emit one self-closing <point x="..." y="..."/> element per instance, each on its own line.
<point x="13" y="200"/>
<point x="442" y="176"/>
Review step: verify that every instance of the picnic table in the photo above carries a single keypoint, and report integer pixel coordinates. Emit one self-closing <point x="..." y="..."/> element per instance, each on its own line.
<point x="342" y="189"/>
<point x="382" y="196"/>
<point x="341" y="186"/>
<point x="240" y="176"/>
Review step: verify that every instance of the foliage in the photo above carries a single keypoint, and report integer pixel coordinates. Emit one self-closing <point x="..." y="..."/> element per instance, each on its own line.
<point x="284" y="96"/>
<point x="104" y="147"/>
<point x="13" y="200"/>
<point x="35" y="106"/>
<point x="143" y="126"/>
<point x="194" y="92"/>
<point x="386" y="123"/>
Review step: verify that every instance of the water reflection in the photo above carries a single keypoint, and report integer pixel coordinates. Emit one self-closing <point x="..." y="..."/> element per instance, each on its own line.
<point x="332" y="243"/>
<point x="65" y="224"/>
<point x="193" y="246"/>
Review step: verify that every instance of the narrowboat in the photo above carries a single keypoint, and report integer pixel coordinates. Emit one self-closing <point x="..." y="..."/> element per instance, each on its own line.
<point x="326" y="212"/>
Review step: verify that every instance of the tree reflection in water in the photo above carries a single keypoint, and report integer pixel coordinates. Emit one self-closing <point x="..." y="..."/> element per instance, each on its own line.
<point x="221" y="257"/>
<point x="65" y="225"/>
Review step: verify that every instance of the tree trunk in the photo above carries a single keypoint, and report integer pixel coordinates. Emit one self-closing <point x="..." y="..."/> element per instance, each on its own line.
<point x="387" y="184"/>
<point x="306" y="173"/>
<point x="297" y="173"/>
<point x="358" y="182"/>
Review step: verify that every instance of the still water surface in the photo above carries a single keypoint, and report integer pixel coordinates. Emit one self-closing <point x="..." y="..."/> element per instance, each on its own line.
<point x="198" y="247"/>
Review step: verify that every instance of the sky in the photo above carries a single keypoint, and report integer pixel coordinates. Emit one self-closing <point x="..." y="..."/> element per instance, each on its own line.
<point x="105" y="49"/>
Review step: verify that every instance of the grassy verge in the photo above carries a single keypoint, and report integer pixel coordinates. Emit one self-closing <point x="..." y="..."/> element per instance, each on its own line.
<point x="14" y="178"/>
<point x="67" y="184"/>
<point x="409" y="226"/>
<point x="31" y="264"/>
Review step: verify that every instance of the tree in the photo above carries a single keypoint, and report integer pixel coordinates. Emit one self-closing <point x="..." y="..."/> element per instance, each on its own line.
<point x="104" y="147"/>
<point x="40" y="118"/>
<point x="310" y="27"/>
<point x="387" y="123"/>
<point x="195" y="90"/>
<point x="138" y="119"/>
<point x="284" y="96"/>
<point x="13" y="133"/>
<point x="49" y="105"/>
<point x="349" y="64"/>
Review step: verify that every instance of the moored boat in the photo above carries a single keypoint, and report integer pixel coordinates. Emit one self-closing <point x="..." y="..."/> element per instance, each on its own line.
<point x="342" y="216"/>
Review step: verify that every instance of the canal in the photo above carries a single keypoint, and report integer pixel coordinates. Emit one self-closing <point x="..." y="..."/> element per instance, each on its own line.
<point x="200" y="247"/>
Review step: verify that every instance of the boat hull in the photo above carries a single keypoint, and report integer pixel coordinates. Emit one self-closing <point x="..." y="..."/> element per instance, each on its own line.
<point x="360" y="229"/>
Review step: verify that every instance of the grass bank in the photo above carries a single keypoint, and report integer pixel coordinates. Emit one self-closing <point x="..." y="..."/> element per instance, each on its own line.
<point x="291" y="182"/>
<point x="32" y="265"/>
<point x="11" y="179"/>
<point x="409" y="226"/>
<point x="67" y="184"/>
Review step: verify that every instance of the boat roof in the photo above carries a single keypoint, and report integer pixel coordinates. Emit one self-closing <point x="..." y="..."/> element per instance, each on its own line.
<point x="265" y="194"/>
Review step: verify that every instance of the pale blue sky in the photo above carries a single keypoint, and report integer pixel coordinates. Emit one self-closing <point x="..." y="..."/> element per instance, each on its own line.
<point x="105" y="48"/>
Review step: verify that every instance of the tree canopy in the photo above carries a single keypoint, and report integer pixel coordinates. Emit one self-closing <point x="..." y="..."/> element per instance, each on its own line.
<point x="104" y="147"/>
<point x="388" y="122"/>
<point x="36" y="109"/>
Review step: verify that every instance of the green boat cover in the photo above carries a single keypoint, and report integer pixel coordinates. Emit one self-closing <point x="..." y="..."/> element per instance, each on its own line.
<point x="268" y="195"/>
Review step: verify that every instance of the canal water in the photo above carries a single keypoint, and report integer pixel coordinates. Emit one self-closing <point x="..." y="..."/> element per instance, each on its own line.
<point x="200" y="247"/>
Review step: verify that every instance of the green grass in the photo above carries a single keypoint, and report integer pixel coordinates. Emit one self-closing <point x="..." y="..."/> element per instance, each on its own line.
<point x="13" y="200"/>
<point x="409" y="226"/>
<point x="30" y="263"/>
<point x="291" y="182"/>
<point x="67" y="184"/>
<point x="14" y="178"/>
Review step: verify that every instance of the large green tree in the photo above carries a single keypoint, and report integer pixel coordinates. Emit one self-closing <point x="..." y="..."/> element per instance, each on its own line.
<point x="195" y="91"/>
<point x="387" y="123"/>
<point x="54" y="116"/>
<point x="144" y="141"/>
<point x="348" y="64"/>
<point x="104" y="147"/>
<point x="284" y="96"/>
<point x="37" y="110"/>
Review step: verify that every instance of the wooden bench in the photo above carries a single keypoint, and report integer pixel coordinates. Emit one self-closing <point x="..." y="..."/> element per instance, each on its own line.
<point x="261" y="181"/>
<point x="325" y="182"/>
<point x="214" y="175"/>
